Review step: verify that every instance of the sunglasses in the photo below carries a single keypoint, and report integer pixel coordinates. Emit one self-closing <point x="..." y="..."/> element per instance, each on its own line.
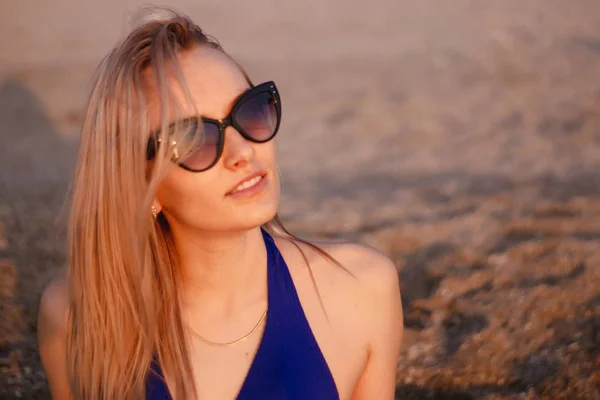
<point x="256" y="115"/>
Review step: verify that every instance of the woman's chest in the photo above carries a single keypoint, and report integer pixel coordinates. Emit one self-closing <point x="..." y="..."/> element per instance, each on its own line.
<point x="220" y="371"/>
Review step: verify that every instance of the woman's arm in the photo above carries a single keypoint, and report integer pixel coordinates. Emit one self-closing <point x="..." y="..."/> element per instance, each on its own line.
<point x="52" y="337"/>
<point x="385" y="324"/>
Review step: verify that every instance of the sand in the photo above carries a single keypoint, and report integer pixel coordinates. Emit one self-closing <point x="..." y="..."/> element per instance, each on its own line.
<point x="461" y="138"/>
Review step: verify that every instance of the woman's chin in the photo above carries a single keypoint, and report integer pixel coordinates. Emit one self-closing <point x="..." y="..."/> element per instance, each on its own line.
<point x="257" y="216"/>
<point x="243" y="218"/>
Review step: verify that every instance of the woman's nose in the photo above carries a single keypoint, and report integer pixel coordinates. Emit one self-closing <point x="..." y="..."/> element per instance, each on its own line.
<point x="237" y="151"/>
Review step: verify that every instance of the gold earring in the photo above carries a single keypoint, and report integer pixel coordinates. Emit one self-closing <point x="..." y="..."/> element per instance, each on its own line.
<point x="154" y="212"/>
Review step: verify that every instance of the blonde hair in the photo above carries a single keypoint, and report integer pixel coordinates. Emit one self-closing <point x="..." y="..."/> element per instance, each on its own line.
<point x="123" y="276"/>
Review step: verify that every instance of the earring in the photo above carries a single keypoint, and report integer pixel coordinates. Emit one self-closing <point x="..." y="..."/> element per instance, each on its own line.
<point x="154" y="212"/>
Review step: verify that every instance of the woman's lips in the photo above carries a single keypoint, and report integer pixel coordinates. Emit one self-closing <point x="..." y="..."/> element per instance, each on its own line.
<point x="253" y="184"/>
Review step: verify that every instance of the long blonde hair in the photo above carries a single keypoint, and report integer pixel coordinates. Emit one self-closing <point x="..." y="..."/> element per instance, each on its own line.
<point x="123" y="276"/>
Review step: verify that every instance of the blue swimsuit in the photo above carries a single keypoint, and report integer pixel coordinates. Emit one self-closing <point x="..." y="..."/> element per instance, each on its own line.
<point x="288" y="363"/>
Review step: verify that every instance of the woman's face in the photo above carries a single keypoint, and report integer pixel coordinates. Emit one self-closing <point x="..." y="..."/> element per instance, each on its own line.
<point x="208" y="200"/>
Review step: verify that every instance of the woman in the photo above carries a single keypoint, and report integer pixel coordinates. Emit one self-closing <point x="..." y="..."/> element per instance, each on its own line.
<point x="182" y="282"/>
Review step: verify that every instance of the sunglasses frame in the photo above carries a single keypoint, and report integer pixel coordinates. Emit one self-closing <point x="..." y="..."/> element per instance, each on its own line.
<point x="222" y="124"/>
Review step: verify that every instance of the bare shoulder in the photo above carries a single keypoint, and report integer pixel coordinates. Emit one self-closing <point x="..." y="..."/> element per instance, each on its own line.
<point x="376" y="277"/>
<point x="54" y="307"/>
<point x="366" y="273"/>
<point x="379" y="315"/>
<point x="360" y="293"/>
<point x="369" y="265"/>
<point x="52" y="336"/>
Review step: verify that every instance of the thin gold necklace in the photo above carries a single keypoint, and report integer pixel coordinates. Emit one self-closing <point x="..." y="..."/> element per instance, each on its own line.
<point x="246" y="336"/>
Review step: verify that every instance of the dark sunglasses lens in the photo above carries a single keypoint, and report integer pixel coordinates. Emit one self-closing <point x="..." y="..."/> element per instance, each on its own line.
<point x="205" y="149"/>
<point x="257" y="116"/>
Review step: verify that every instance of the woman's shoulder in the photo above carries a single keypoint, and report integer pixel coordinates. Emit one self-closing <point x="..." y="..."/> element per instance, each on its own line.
<point x="54" y="307"/>
<point x="374" y="277"/>
<point x="52" y="336"/>
<point x="370" y="307"/>
<point x="365" y="265"/>
<point x="360" y="292"/>
<point x="359" y="271"/>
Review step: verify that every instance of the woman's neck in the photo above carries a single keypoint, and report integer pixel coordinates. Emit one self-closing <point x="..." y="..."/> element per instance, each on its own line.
<point x="224" y="271"/>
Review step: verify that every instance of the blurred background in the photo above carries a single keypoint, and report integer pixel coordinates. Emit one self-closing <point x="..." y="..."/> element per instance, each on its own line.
<point x="461" y="138"/>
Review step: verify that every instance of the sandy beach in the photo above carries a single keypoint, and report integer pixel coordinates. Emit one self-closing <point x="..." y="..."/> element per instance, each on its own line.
<point x="460" y="138"/>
